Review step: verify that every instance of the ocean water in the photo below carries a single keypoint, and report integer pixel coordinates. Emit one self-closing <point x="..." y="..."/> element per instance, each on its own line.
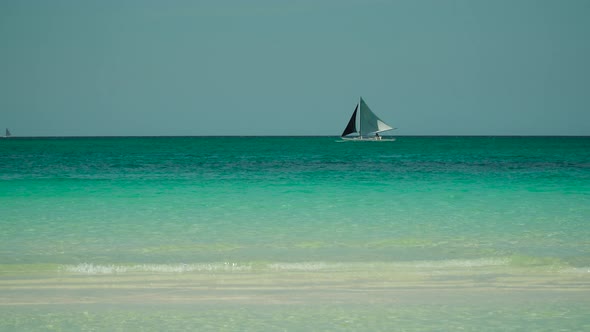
<point x="295" y="233"/>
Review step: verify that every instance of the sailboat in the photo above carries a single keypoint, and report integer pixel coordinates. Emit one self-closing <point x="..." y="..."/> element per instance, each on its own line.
<point x="370" y="125"/>
<point x="7" y="133"/>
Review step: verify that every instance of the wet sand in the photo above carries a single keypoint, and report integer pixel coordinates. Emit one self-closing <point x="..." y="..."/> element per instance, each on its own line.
<point x="382" y="299"/>
<point x="387" y="285"/>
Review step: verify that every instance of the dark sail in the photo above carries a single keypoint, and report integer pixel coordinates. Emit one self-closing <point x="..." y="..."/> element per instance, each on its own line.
<point x="351" y="126"/>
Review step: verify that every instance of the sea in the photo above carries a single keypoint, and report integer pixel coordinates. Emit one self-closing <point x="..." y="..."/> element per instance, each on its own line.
<point x="294" y="234"/>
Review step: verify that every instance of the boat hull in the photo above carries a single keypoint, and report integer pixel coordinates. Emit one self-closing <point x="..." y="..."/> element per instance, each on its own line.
<point x="366" y="139"/>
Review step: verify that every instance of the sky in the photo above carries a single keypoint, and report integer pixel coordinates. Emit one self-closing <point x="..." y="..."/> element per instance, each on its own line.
<point x="297" y="67"/>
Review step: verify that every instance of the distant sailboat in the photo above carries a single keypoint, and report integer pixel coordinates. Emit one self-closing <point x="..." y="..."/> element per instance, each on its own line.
<point x="7" y="134"/>
<point x="370" y="125"/>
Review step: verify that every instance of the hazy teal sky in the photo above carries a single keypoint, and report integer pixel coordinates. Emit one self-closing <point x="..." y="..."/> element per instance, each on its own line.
<point x="494" y="67"/>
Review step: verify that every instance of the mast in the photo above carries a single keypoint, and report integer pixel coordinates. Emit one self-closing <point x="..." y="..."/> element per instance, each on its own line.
<point x="360" y="117"/>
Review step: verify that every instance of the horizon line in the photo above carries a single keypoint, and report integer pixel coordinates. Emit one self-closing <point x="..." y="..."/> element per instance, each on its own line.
<point x="279" y="136"/>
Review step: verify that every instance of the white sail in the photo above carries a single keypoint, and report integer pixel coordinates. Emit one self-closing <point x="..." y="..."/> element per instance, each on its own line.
<point x="369" y="122"/>
<point x="370" y="125"/>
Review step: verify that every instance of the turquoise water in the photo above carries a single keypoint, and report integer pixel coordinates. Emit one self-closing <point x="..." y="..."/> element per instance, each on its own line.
<point x="272" y="206"/>
<point x="185" y="200"/>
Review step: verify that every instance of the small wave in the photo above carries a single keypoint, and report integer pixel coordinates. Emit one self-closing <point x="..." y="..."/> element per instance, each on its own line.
<point x="92" y="269"/>
<point x="306" y="266"/>
<point x="453" y="263"/>
<point x="577" y="270"/>
<point x="97" y="269"/>
<point x="460" y="263"/>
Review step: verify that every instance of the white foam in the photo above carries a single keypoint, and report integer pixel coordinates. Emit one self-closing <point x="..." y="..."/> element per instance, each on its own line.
<point x="96" y="269"/>
<point x="304" y="266"/>
<point x="459" y="263"/>
<point x="577" y="270"/>
<point x="92" y="269"/>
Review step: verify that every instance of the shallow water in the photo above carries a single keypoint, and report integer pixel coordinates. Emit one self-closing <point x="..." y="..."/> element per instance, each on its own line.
<point x="419" y="217"/>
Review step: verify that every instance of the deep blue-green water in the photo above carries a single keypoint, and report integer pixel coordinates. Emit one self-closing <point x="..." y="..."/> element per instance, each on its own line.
<point x="98" y="206"/>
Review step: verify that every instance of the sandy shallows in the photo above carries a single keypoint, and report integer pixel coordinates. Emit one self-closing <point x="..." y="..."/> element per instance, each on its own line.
<point x="370" y="283"/>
